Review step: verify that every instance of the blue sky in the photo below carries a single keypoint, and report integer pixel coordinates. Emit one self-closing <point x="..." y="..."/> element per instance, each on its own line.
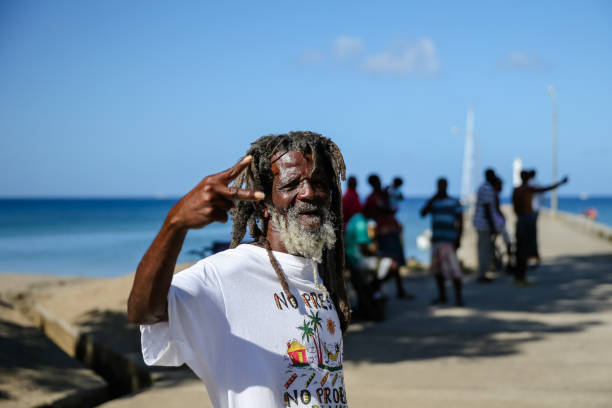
<point x="145" y="98"/>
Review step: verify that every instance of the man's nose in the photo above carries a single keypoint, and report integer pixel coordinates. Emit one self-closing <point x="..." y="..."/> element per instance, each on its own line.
<point x="306" y="191"/>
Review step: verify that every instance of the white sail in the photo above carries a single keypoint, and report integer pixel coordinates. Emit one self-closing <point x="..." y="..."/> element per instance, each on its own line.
<point x="469" y="171"/>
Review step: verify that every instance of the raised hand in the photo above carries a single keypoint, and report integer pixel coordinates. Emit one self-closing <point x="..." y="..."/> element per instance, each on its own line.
<point x="211" y="199"/>
<point x="208" y="202"/>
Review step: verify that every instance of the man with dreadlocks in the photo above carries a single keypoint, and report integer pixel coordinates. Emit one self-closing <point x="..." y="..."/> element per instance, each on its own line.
<point x="261" y="324"/>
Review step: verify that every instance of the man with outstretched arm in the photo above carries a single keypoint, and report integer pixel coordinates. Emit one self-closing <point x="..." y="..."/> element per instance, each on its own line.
<point x="526" y="218"/>
<point x="262" y="323"/>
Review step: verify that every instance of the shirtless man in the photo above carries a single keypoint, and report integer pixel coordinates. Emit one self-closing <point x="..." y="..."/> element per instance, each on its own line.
<point x="522" y="199"/>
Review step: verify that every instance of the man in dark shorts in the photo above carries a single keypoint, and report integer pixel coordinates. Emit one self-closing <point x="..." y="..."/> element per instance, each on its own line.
<point x="522" y="199"/>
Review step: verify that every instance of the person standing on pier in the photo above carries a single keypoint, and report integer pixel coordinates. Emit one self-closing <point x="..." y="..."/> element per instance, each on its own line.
<point x="485" y="225"/>
<point x="522" y="199"/>
<point x="447" y="227"/>
<point x="262" y="323"/>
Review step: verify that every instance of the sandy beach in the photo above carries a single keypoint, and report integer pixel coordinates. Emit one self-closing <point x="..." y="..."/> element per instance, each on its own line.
<point x="544" y="346"/>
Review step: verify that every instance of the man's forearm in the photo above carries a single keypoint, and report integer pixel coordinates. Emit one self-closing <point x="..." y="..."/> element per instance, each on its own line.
<point x="207" y="202"/>
<point x="148" y="301"/>
<point x="549" y="188"/>
<point x="425" y="210"/>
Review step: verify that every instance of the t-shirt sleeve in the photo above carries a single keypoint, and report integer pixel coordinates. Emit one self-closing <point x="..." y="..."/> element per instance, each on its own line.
<point x="361" y="232"/>
<point x="196" y="314"/>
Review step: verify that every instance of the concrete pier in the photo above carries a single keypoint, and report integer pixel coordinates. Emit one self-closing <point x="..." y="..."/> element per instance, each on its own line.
<point x="542" y="346"/>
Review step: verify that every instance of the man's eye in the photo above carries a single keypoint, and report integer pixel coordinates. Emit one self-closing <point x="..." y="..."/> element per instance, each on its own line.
<point x="290" y="185"/>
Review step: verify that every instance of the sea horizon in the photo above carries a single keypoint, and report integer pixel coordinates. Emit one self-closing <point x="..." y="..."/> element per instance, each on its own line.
<point x="107" y="236"/>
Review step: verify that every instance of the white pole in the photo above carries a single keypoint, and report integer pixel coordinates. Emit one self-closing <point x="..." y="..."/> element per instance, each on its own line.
<point x="554" y="199"/>
<point x="467" y="176"/>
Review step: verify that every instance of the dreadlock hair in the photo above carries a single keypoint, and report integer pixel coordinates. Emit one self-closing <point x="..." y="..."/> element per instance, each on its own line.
<point x="258" y="176"/>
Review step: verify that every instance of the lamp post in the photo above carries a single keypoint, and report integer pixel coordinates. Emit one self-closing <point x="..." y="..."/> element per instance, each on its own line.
<point x="554" y="199"/>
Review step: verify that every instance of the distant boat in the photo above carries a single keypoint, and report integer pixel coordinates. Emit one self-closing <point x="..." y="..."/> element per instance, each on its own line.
<point x="583" y="196"/>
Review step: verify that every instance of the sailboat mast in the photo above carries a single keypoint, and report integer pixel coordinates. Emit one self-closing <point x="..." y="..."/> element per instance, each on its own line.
<point x="469" y="161"/>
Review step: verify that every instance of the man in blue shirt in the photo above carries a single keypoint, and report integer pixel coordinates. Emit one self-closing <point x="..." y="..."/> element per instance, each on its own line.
<point x="447" y="226"/>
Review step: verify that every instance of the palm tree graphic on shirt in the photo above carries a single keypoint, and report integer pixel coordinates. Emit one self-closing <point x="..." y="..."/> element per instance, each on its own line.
<point x="311" y="329"/>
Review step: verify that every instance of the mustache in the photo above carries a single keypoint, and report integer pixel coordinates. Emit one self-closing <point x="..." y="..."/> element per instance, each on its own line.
<point x="306" y="208"/>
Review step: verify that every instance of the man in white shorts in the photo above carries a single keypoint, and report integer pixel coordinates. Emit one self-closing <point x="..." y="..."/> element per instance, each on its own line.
<point x="262" y="323"/>
<point x="447" y="226"/>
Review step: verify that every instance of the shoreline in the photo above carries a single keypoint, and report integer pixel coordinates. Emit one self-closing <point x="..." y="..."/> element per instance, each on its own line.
<point x="576" y="221"/>
<point x="37" y="276"/>
<point x="90" y="240"/>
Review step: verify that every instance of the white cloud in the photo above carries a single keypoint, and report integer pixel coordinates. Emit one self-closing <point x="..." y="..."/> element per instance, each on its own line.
<point x="523" y="61"/>
<point x="418" y="58"/>
<point x="415" y="58"/>
<point x="310" y="57"/>
<point x="345" y="46"/>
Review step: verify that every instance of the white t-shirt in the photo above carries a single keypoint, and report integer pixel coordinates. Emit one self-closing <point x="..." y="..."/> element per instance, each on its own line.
<point x="231" y="323"/>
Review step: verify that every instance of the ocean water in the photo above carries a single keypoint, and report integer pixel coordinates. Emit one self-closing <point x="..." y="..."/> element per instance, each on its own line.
<point x="107" y="237"/>
<point x="575" y="205"/>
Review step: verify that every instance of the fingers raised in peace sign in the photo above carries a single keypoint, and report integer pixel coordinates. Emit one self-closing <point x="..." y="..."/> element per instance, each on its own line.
<point x="212" y="198"/>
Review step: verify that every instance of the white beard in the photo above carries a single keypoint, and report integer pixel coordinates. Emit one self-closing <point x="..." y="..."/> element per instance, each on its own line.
<point x="303" y="241"/>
